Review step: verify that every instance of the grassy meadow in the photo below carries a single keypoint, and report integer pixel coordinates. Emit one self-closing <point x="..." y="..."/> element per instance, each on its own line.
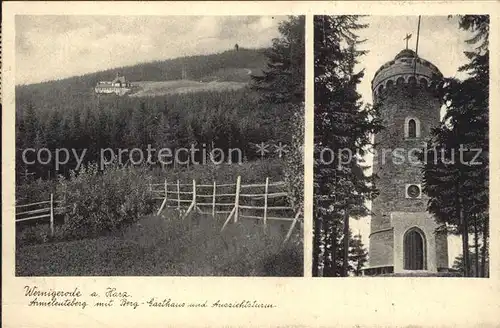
<point x="169" y="246"/>
<point x="98" y="238"/>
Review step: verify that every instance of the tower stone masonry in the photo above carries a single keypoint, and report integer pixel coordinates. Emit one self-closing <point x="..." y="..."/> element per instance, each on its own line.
<point x="404" y="237"/>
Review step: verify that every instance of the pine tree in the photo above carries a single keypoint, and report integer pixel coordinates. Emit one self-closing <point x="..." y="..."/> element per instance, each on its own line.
<point x="282" y="86"/>
<point x="31" y="125"/>
<point x="341" y="123"/>
<point x="294" y="168"/>
<point x="455" y="180"/>
<point x="358" y="255"/>
<point x="283" y="80"/>
<point x="89" y="135"/>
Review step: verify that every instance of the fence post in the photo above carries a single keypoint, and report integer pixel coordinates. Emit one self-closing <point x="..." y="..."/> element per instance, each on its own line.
<point x="213" y="201"/>
<point x="265" y="204"/>
<point x="166" y="192"/>
<point x="294" y="222"/>
<point x="164" y="203"/>
<point x="237" y="199"/>
<point x="194" y="193"/>
<point x="64" y="201"/>
<point x="178" y="197"/>
<point x="52" y="215"/>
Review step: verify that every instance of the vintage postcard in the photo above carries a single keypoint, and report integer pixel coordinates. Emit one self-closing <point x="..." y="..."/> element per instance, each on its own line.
<point x="213" y="164"/>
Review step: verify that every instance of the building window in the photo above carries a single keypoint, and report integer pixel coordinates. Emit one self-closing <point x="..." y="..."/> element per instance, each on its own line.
<point x="413" y="191"/>
<point x="414" y="250"/>
<point x="412" y="128"/>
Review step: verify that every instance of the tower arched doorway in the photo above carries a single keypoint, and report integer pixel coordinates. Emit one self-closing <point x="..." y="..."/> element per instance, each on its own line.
<point x="414" y="250"/>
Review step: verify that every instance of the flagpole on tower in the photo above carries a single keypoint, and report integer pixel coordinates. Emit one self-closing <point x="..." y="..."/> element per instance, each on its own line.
<point x="418" y="34"/>
<point x="416" y="47"/>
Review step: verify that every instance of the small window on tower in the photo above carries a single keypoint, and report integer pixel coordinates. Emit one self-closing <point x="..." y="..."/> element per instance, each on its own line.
<point x="413" y="191"/>
<point x="412" y="129"/>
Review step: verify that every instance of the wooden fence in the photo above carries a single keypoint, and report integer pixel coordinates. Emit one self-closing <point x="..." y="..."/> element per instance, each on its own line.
<point x="237" y="200"/>
<point x="38" y="211"/>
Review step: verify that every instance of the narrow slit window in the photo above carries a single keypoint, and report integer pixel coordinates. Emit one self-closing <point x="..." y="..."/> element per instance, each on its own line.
<point x="412" y="129"/>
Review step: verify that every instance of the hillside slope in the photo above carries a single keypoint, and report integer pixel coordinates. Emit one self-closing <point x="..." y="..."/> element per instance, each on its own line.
<point x="160" y="88"/>
<point x="228" y="66"/>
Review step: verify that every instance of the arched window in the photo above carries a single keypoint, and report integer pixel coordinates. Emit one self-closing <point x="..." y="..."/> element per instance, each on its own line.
<point x="412" y="129"/>
<point x="414" y="250"/>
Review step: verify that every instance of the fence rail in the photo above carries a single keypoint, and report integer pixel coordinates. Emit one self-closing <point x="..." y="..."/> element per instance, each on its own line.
<point x="206" y="195"/>
<point x="41" y="213"/>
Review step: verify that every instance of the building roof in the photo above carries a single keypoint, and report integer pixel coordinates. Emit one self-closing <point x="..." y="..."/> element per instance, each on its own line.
<point x="406" y="53"/>
<point x="108" y="84"/>
<point x="405" y="63"/>
<point x="120" y="79"/>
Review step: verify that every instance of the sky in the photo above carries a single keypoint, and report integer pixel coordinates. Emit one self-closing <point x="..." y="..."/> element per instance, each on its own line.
<point x="441" y="42"/>
<point x="54" y="47"/>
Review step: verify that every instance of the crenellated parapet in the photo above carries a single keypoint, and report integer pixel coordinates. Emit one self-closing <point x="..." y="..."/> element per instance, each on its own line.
<point x="405" y="69"/>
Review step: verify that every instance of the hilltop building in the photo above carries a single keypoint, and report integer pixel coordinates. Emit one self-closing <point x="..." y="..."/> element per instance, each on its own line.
<point x="404" y="237"/>
<point x="119" y="86"/>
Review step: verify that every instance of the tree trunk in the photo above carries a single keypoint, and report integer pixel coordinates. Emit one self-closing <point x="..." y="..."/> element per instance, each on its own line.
<point x="485" y="246"/>
<point x="334" y="249"/>
<point x="327" y="235"/>
<point x="476" y="246"/>
<point x="465" y="246"/>
<point x="465" y="233"/>
<point x="316" y="246"/>
<point x="345" y="266"/>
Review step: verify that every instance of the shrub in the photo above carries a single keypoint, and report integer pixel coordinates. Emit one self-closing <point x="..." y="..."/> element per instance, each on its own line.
<point x="33" y="234"/>
<point x="251" y="172"/>
<point x="99" y="202"/>
<point x="33" y="191"/>
<point x="288" y="262"/>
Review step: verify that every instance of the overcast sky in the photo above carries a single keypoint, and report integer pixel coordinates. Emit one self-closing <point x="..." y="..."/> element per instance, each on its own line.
<point x="441" y="42"/>
<point x="53" y="47"/>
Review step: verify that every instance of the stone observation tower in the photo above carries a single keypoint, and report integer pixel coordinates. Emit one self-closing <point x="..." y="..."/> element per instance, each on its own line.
<point x="404" y="237"/>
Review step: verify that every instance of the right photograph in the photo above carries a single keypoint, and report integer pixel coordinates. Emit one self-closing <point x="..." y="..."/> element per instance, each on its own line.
<point x="401" y="146"/>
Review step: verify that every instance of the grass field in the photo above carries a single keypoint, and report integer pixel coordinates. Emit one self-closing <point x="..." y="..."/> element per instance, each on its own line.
<point x="169" y="247"/>
<point x="160" y="88"/>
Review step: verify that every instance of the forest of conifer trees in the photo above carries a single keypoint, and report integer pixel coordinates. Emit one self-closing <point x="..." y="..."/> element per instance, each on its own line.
<point x="225" y="120"/>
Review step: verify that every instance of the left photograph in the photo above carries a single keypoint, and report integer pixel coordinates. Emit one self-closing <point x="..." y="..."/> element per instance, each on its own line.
<point x="159" y="145"/>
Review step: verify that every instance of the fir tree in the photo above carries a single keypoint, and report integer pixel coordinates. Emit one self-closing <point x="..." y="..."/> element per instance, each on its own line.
<point x="341" y="185"/>
<point x="358" y="255"/>
<point x="294" y="157"/>
<point x="457" y="182"/>
<point x="283" y="79"/>
<point x="282" y="86"/>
